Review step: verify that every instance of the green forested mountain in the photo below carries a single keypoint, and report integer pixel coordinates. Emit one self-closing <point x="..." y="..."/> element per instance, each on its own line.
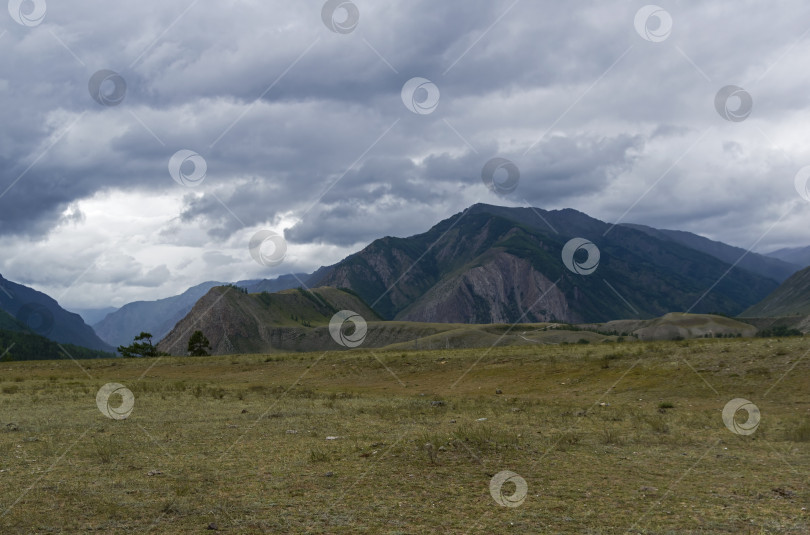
<point x="42" y="315"/>
<point x="18" y="345"/>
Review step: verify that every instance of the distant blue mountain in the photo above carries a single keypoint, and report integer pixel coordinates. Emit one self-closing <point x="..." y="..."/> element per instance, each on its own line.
<point x="773" y="267"/>
<point x="42" y="315"/>
<point x="795" y="255"/>
<point x="159" y="317"/>
<point x="92" y="316"/>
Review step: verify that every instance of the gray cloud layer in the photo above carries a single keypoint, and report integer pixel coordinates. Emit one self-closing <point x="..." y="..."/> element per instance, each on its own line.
<point x="304" y="130"/>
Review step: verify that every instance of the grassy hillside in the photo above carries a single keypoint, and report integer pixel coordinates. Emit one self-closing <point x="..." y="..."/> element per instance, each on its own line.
<point x="792" y="298"/>
<point x="675" y="325"/>
<point x="160" y="316"/>
<point x="297" y="320"/>
<point x="615" y="438"/>
<point x="291" y="320"/>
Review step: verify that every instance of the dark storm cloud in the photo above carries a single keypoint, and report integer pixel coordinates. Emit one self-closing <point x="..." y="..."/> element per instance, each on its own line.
<point x="183" y="85"/>
<point x="304" y="128"/>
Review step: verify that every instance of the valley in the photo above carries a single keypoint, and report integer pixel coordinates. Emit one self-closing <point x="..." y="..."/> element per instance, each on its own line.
<point x="609" y="438"/>
<point x="350" y="267"/>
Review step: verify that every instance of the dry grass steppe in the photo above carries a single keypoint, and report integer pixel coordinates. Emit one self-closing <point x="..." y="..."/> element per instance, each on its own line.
<point x="610" y="438"/>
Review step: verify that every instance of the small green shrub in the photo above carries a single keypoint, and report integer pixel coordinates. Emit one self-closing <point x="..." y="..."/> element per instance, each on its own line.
<point x="318" y="455"/>
<point x="799" y="432"/>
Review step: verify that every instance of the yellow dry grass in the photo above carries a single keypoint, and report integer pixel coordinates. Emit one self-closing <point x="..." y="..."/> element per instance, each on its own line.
<point x="610" y="438"/>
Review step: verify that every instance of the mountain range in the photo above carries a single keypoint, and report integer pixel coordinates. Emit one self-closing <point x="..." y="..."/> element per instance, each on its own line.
<point x="485" y="265"/>
<point x="492" y="264"/>
<point x="773" y="267"/>
<point x="796" y="255"/>
<point x="159" y="317"/>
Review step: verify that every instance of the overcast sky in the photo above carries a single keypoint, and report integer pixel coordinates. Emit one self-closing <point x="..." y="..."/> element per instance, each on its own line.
<point x="306" y="122"/>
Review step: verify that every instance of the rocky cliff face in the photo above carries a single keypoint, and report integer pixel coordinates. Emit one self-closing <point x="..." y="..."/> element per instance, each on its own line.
<point x="496" y="264"/>
<point x="486" y="265"/>
<point x="503" y="290"/>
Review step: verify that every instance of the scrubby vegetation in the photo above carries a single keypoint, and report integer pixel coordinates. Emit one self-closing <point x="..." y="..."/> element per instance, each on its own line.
<point x="779" y="331"/>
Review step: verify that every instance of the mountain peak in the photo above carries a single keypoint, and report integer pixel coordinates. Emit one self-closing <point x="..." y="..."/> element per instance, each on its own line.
<point x="486" y="264"/>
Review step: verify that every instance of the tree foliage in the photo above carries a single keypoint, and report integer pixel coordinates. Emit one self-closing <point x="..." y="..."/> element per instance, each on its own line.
<point x="141" y="347"/>
<point x="198" y="345"/>
<point x="779" y="331"/>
